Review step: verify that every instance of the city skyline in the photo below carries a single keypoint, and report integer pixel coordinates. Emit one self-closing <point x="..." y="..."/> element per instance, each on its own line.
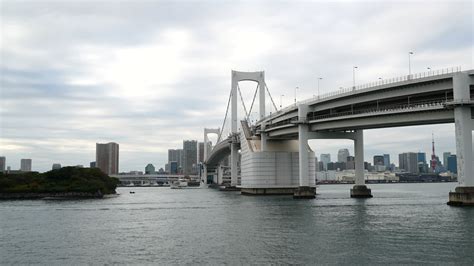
<point x="176" y="155"/>
<point x="110" y="85"/>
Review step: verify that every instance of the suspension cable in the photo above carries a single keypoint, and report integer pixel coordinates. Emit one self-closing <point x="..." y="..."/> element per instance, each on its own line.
<point x="243" y="103"/>
<point x="274" y="105"/>
<point x="253" y="100"/>
<point x="225" y="118"/>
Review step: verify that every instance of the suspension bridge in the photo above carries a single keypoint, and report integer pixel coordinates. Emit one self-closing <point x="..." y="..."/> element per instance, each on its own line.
<point x="271" y="155"/>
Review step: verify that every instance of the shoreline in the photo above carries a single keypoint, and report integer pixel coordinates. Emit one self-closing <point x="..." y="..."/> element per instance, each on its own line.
<point x="54" y="195"/>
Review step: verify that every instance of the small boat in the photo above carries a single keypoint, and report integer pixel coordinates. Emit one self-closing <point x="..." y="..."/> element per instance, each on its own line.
<point x="181" y="183"/>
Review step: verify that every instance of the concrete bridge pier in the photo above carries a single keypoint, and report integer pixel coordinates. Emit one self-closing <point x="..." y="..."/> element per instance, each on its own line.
<point x="219" y="175"/>
<point x="234" y="157"/>
<point x="304" y="191"/>
<point x="359" y="190"/>
<point x="464" y="125"/>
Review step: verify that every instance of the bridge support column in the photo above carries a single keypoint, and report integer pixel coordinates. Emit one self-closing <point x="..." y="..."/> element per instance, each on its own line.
<point x="359" y="190"/>
<point x="464" y="125"/>
<point x="304" y="191"/>
<point x="263" y="138"/>
<point x="204" y="175"/>
<point x="234" y="153"/>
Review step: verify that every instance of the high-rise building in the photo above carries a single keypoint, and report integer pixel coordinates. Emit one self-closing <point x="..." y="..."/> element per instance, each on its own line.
<point x="422" y="157"/>
<point x="173" y="167"/>
<point x="56" y="166"/>
<point x="107" y="157"/>
<point x="2" y="163"/>
<point x="452" y="164"/>
<point x="422" y="165"/>
<point x="445" y="158"/>
<point x="176" y="155"/>
<point x="92" y="165"/>
<point x="189" y="157"/>
<point x="149" y="169"/>
<point x="325" y="159"/>
<point x="342" y="155"/>
<point x="25" y="165"/>
<point x="379" y="160"/>
<point x="331" y="166"/>
<point x="350" y="165"/>
<point x="408" y="162"/>
<point x="200" y="152"/>
<point x="320" y="166"/>
<point x="379" y="163"/>
<point x="386" y="160"/>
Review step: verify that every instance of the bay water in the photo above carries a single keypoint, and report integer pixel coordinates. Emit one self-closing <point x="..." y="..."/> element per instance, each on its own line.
<point x="402" y="224"/>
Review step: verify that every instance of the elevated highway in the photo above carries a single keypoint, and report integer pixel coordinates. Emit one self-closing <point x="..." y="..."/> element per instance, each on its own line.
<point x="416" y="101"/>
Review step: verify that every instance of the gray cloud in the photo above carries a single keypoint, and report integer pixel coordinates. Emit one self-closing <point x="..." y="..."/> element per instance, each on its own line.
<point x="148" y="74"/>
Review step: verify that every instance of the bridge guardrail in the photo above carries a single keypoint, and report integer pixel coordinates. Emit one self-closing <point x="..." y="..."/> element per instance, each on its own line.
<point x="384" y="109"/>
<point x="358" y="88"/>
<point x="441" y="102"/>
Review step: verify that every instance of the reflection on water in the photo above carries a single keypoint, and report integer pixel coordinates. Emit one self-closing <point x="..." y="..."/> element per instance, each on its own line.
<point x="403" y="223"/>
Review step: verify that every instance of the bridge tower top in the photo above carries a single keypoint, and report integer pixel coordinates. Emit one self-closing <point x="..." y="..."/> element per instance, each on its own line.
<point x="238" y="76"/>
<point x="206" y="139"/>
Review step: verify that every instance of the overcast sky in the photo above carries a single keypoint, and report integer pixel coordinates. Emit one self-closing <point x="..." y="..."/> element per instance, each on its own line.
<point x="148" y="74"/>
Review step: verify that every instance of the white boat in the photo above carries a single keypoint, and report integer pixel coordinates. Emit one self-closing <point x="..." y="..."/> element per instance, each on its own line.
<point x="179" y="184"/>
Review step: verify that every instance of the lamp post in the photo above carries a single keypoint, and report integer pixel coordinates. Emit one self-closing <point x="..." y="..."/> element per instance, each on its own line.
<point x="409" y="63"/>
<point x="429" y="68"/>
<point x="296" y="88"/>
<point x="319" y="78"/>
<point x="281" y="100"/>
<point x="354" y="77"/>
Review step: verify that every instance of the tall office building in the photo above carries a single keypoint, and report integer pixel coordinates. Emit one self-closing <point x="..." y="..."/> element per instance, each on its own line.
<point x="422" y="165"/>
<point x="189" y="157"/>
<point x="92" y="165"/>
<point x="2" y="163"/>
<point x="452" y="164"/>
<point x="25" y="165"/>
<point x="342" y="155"/>
<point x="176" y="155"/>
<point x="107" y="157"/>
<point x="350" y="165"/>
<point x="409" y="162"/>
<point x="379" y="160"/>
<point x="386" y="160"/>
<point x="173" y="167"/>
<point x="200" y="152"/>
<point x="421" y="157"/>
<point x="445" y="159"/>
<point x="325" y="159"/>
<point x="379" y="163"/>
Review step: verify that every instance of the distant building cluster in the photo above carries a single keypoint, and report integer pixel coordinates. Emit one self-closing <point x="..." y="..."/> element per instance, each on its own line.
<point x="412" y="166"/>
<point x="187" y="160"/>
<point x="25" y="165"/>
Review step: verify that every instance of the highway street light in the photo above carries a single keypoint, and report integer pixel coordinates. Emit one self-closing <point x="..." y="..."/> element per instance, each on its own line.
<point x="354" y="77"/>
<point x="281" y="100"/>
<point x="409" y="62"/>
<point x="296" y="88"/>
<point x="318" y="86"/>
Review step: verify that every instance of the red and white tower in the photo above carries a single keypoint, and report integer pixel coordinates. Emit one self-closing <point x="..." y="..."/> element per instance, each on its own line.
<point x="434" y="161"/>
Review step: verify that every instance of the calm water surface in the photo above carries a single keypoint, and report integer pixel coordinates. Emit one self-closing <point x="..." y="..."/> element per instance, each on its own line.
<point x="402" y="224"/>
